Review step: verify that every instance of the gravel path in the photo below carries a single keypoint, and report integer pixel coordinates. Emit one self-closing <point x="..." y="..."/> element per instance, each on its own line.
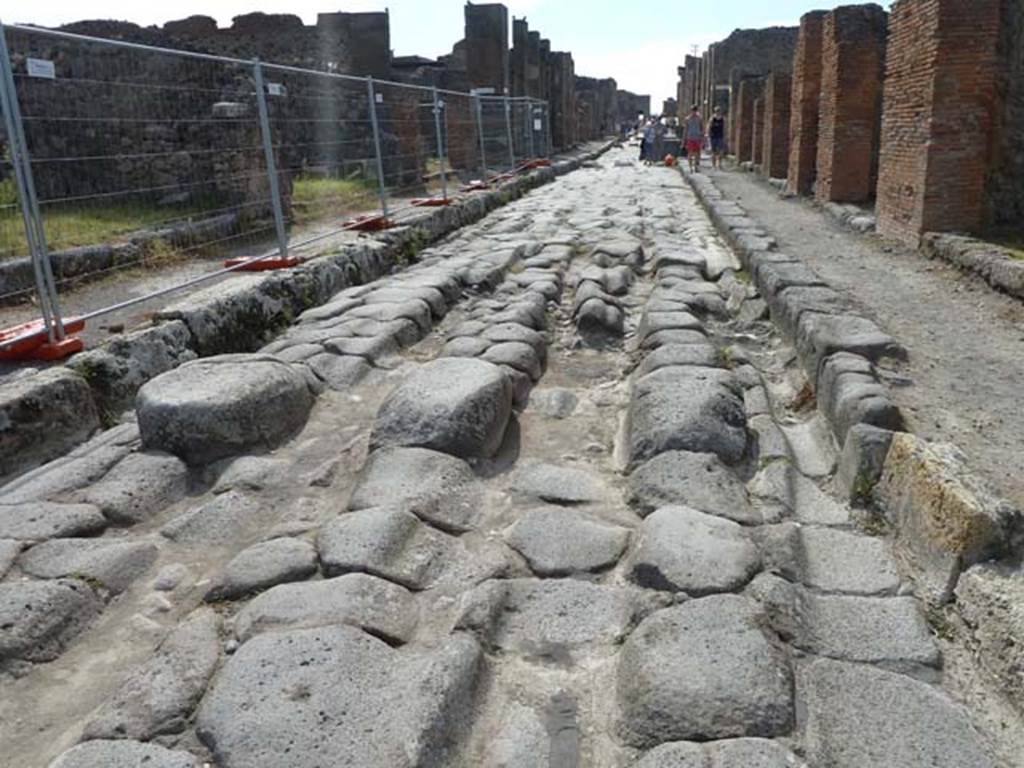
<point x="966" y="342"/>
<point x="538" y="501"/>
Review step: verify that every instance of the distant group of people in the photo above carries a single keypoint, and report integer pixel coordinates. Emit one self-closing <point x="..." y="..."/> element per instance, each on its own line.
<point x="697" y="134"/>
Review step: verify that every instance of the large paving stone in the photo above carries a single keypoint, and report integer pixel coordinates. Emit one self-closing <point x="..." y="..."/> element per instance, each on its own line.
<point x="550" y="619"/>
<point x="159" y="697"/>
<point x="702" y="670"/>
<point x="683" y="550"/>
<point x="216" y="407"/>
<point x="861" y="717"/>
<point x="887" y="630"/>
<point x="455" y="405"/>
<point x="38" y="619"/>
<point x="688" y="409"/>
<point x="701" y="355"/>
<point x="840" y="561"/>
<point x="41" y="520"/>
<point x="785" y="491"/>
<point x="559" y="542"/>
<point x="227" y="519"/>
<point x="337" y="696"/>
<point x="556" y="484"/>
<point x="139" y="487"/>
<point x="113" y="563"/>
<point x="374" y="605"/>
<point x="42" y="416"/>
<point x="436" y="487"/>
<point x="385" y="542"/>
<point x="264" y="565"/>
<point x="124" y="754"/>
<point x="697" y="480"/>
<point x="9" y="551"/>
<point x="517" y="355"/>
<point x="734" y="753"/>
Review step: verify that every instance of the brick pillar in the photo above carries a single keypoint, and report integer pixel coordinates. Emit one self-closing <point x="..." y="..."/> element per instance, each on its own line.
<point x="750" y="91"/>
<point x="777" y="95"/>
<point x="850" y="111"/>
<point x="757" y="132"/>
<point x="803" y="119"/>
<point x="938" y="119"/>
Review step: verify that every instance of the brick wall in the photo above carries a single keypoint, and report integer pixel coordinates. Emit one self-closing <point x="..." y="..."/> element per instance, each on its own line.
<point x="750" y="89"/>
<point x="850" y="108"/>
<point x="757" y="132"/>
<point x="777" y="95"/>
<point x="940" y="100"/>
<point x="803" y="120"/>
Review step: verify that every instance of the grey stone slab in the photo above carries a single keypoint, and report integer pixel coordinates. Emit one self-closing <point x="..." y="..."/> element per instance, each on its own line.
<point x="703" y="670"/>
<point x="372" y="348"/>
<point x="217" y="407"/>
<point x="732" y="753"/>
<point x="339" y="372"/>
<point x="465" y="346"/>
<point x="683" y="550"/>
<point x="661" y="338"/>
<point x="113" y="563"/>
<point x="158" y="698"/>
<point x="784" y="491"/>
<point x="840" y="561"/>
<point x="549" y="620"/>
<point x="557" y="484"/>
<point x="454" y="405"/>
<point x="429" y="295"/>
<point x="252" y="473"/>
<point x="416" y="310"/>
<point x="41" y="520"/>
<point x="269" y="705"/>
<point x="689" y="409"/>
<point x="860" y="717"/>
<point x="819" y="336"/>
<point x="701" y="355"/>
<point x="140" y="486"/>
<point x="264" y="565"/>
<point x="515" y="354"/>
<point x="39" y="619"/>
<point x="374" y="605"/>
<point x="124" y="754"/>
<point x="9" y="551"/>
<point x="508" y="332"/>
<point x="697" y="480"/>
<point x="555" y="403"/>
<point x="652" y="322"/>
<point x="439" y="488"/>
<point x="559" y="542"/>
<point x="226" y="519"/>
<point x="385" y="542"/>
<point x="599" y="322"/>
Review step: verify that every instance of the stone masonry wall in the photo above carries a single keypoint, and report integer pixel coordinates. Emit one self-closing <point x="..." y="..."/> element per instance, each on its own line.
<point x="487" y="49"/>
<point x="940" y="99"/>
<point x="750" y="90"/>
<point x="803" y="126"/>
<point x="850" y="109"/>
<point x="777" y="95"/>
<point x="757" y="132"/>
<point x="1005" y="185"/>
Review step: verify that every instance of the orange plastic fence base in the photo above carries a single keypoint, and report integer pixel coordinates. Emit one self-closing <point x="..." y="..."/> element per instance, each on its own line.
<point x="36" y="346"/>
<point x="249" y="264"/>
<point x="373" y="222"/>
<point x="502" y="177"/>
<point x="430" y="202"/>
<point x="540" y="162"/>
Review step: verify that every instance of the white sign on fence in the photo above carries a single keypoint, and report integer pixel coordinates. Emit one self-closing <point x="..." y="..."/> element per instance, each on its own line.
<point x="276" y="89"/>
<point x="380" y="97"/>
<point x="41" y="68"/>
<point x="538" y="125"/>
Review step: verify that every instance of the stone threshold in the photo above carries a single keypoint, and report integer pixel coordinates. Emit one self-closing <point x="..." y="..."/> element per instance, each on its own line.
<point x="959" y="544"/>
<point x="46" y="412"/>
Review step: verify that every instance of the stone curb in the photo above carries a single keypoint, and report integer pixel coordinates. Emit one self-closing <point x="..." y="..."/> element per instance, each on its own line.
<point x="946" y="524"/>
<point x="993" y="264"/>
<point x="240" y="315"/>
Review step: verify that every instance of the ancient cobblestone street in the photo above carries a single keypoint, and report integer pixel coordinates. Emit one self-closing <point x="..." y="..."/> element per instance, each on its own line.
<point x="553" y="496"/>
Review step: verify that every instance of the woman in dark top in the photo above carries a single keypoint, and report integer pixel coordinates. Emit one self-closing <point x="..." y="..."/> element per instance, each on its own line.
<point x="716" y="136"/>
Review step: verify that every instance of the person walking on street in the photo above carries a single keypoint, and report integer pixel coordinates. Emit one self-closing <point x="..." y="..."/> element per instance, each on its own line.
<point x="693" y="134"/>
<point x="716" y="137"/>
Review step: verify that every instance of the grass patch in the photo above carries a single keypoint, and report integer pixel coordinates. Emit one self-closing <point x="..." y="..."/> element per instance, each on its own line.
<point x="316" y="198"/>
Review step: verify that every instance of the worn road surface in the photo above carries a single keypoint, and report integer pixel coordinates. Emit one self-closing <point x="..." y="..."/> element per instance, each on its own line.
<point x="550" y="498"/>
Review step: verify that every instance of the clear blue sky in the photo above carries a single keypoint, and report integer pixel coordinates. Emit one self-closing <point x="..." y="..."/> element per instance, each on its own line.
<point x="639" y="44"/>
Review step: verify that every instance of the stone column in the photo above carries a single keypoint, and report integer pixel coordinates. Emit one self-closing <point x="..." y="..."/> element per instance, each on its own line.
<point x="750" y="90"/>
<point x="757" y="134"/>
<point x="803" y="125"/>
<point x="939" y="116"/>
<point x="487" y="51"/>
<point x="777" y="95"/>
<point x="850" y="109"/>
